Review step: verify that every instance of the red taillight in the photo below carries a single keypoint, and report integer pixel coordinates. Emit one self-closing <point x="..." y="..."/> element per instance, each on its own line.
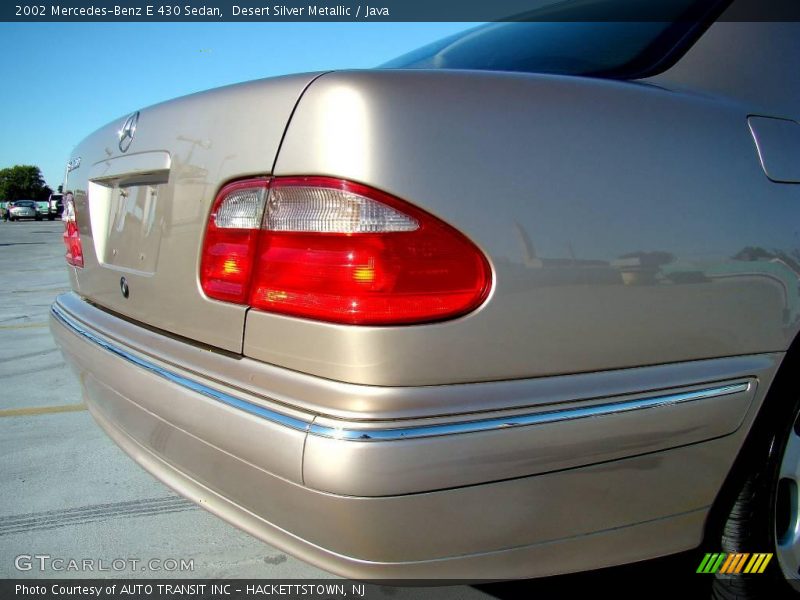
<point x="232" y="239"/>
<point x="72" y="237"/>
<point x="343" y="252"/>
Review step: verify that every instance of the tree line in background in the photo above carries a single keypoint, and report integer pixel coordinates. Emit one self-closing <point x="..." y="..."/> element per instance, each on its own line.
<point x="23" y="182"/>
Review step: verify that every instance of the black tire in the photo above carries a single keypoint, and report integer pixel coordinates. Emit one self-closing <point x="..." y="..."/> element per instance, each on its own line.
<point x="50" y="217"/>
<point x="764" y="517"/>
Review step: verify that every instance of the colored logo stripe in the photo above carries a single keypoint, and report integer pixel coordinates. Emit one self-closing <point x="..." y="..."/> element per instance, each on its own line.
<point x="758" y="563"/>
<point x="711" y="563"/>
<point x="735" y="563"/>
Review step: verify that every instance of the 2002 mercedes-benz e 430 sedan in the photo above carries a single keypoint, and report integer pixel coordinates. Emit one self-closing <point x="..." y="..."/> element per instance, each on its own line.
<point x="523" y="302"/>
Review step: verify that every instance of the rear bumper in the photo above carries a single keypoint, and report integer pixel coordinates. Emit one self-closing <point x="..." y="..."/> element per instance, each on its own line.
<point x="562" y="480"/>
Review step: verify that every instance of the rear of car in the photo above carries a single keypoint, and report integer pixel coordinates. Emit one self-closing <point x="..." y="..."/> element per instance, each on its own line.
<point x="23" y="209"/>
<point x="395" y="321"/>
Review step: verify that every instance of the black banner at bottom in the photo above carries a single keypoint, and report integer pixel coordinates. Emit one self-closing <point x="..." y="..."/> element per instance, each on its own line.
<point x="191" y="589"/>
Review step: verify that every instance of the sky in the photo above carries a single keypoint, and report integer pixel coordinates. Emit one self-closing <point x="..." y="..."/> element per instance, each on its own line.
<point x="61" y="81"/>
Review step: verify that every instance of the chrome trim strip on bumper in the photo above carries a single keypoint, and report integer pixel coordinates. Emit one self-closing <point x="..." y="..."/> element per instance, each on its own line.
<point x="541" y="418"/>
<point x="405" y="433"/>
<point x="249" y="407"/>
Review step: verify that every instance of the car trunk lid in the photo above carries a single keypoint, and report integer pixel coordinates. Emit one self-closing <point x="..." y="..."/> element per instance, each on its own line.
<point x="143" y="186"/>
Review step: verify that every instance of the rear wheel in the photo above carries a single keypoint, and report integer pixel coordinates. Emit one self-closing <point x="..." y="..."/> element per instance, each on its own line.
<point x="765" y="518"/>
<point x="787" y="515"/>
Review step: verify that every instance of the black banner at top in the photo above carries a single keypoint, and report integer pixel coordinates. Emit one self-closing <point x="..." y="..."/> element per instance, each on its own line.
<point x="397" y="10"/>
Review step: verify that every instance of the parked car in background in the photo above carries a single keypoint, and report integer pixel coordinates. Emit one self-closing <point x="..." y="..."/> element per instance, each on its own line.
<point x="56" y="206"/>
<point x="42" y="209"/>
<point x="523" y="302"/>
<point x="23" y="209"/>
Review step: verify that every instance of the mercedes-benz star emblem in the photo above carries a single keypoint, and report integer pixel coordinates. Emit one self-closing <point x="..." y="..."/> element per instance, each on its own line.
<point x="123" y="287"/>
<point x="127" y="132"/>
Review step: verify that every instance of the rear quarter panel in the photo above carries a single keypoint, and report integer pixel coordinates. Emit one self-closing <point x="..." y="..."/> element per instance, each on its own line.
<point x="617" y="218"/>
